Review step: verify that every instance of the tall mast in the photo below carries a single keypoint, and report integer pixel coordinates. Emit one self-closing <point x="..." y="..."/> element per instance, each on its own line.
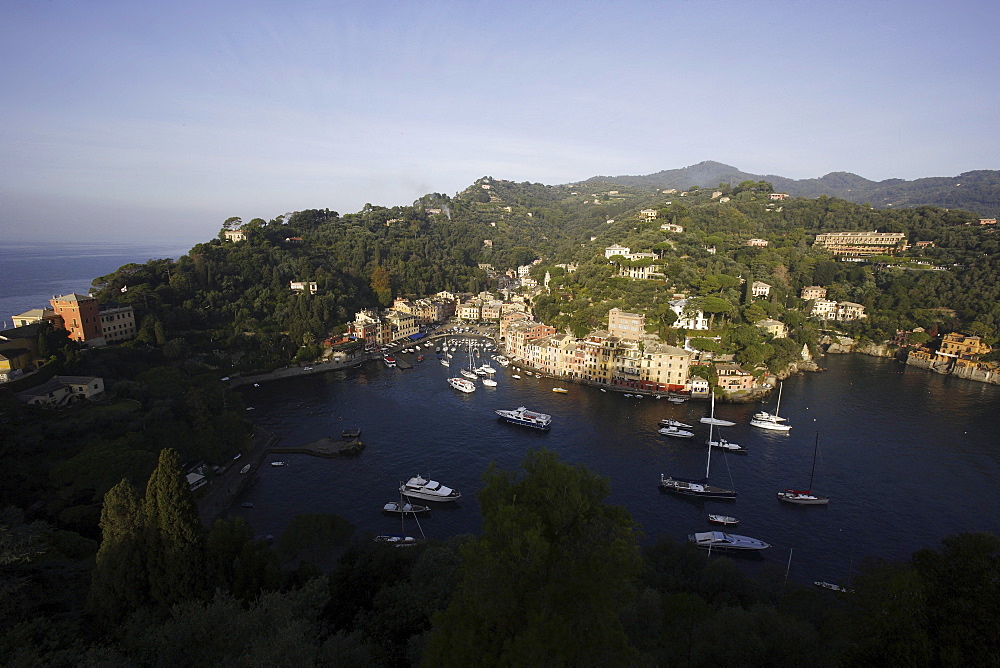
<point x="777" y="409"/>
<point x="813" y="472"/>
<point x="711" y="426"/>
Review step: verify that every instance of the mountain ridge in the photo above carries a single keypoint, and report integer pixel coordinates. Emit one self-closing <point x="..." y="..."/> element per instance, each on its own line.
<point x="976" y="190"/>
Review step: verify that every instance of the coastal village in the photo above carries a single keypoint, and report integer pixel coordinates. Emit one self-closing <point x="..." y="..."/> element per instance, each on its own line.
<point x="623" y="356"/>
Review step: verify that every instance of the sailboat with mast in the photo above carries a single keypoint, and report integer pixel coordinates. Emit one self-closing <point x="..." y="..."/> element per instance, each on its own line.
<point x="701" y="488"/>
<point x="805" y="497"/>
<point x="401" y="539"/>
<point x="771" y="421"/>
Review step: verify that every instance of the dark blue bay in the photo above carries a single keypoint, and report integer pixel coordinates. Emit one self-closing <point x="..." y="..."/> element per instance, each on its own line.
<point x="907" y="456"/>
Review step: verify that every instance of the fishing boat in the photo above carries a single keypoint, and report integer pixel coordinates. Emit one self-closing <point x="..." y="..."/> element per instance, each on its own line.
<point x="723" y="519"/>
<point x="419" y="487"/>
<point x="720" y="540"/>
<point x="771" y="421"/>
<point x="462" y="385"/>
<point x="522" y="416"/>
<point x="805" y="497"/>
<point x="675" y="432"/>
<point x="700" y="488"/>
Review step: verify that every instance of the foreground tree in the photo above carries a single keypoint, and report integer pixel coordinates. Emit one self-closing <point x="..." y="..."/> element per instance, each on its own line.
<point x="547" y="580"/>
<point x="175" y="538"/>
<point x="118" y="586"/>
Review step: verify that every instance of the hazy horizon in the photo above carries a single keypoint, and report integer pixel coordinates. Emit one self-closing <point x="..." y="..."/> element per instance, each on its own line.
<point x="155" y="121"/>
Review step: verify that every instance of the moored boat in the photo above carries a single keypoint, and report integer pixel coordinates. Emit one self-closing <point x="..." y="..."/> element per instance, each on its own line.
<point x="560" y="390"/>
<point x="675" y="432"/>
<point x="526" y="418"/>
<point x="462" y="385"/>
<point x="419" y="487"/>
<point x="689" y="487"/>
<point x="802" y="497"/>
<point x="277" y="463"/>
<point x="397" y="508"/>
<point x="397" y="540"/>
<point x="728" y="446"/>
<point x="701" y="488"/>
<point x="674" y="423"/>
<point x="720" y="540"/>
<point x="723" y="519"/>
<point x="771" y="421"/>
<point x="805" y="497"/>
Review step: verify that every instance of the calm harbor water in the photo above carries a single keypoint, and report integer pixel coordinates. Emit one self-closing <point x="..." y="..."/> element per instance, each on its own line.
<point x="907" y="456"/>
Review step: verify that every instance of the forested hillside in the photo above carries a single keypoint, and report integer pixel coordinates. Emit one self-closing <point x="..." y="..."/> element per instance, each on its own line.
<point x="977" y="191"/>
<point x="235" y="297"/>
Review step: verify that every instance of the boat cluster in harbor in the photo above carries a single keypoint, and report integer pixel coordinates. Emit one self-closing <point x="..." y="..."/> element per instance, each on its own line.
<point x="701" y="488"/>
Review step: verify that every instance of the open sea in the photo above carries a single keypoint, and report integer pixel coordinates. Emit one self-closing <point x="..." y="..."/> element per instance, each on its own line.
<point x="906" y="456"/>
<point x="32" y="272"/>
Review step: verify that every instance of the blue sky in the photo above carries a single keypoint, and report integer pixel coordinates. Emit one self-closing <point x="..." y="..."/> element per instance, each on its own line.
<point x="128" y="120"/>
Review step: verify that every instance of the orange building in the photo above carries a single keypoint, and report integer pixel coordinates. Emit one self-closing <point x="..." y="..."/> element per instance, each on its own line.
<point x="81" y="317"/>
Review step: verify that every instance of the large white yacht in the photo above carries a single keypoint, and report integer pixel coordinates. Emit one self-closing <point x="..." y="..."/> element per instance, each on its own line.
<point x="419" y="487"/>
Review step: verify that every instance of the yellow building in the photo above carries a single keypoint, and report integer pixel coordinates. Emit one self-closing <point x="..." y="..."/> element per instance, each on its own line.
<point x="961" y="346"/>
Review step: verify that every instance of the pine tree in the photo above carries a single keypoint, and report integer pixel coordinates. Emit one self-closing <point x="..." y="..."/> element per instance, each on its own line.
<point x="118" y="586"/>
<point x="175" y="538"/>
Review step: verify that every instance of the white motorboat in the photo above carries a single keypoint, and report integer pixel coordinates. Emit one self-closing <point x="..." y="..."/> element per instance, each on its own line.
<point x="560" y="390"/>
<point x="419" y="487"/>
<point x="719" y="540"/>
<point x="675" y="423"/>
<point x="445" y="363"/>
<point x="489" y="382"/>
<point x="728" y="446"/>
<point x="469" y="374"/>
<point x="514" y="375"/>
<point x="675" y="432"/>
<point x="277" y="463"/>
<point x="522" y="416"/>
<point x="462" y="385"/>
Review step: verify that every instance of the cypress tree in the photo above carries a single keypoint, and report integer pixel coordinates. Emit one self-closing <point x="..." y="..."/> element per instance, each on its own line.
<point x="118" y="586"/>
<point x="175" y="538"/>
